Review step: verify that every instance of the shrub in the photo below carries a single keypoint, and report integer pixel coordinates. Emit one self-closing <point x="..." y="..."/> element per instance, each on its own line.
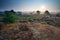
<point x="10" y="17"/>
<point x="24" y="28"/>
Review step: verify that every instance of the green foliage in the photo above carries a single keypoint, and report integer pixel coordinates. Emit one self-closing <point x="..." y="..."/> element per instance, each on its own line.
<point x="10" y="17"/>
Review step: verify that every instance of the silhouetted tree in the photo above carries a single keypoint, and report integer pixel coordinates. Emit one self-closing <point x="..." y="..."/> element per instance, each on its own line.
<point x="47" y="13"/>
<point x="38" y="12"/>
<point x="12" y="11"/>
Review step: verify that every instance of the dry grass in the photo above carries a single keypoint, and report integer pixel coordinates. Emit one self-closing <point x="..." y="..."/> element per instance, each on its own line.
<point x="37" y="31"/>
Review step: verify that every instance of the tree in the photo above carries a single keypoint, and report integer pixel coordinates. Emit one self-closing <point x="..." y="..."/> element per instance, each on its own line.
<point x="38" y="12"/>
<point x="47" y="13"/>
<point x="12" y="11"/>
<point x="10" y="17"/>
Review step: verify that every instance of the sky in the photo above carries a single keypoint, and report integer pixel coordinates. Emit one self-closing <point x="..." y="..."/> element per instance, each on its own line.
<point x="30" y="5"/>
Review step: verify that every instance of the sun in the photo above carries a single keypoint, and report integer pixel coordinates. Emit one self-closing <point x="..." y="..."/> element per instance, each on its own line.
<point x="42" y="7"/>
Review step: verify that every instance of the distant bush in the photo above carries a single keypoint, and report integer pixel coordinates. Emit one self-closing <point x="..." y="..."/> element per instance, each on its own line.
<point x="58" y="15"/>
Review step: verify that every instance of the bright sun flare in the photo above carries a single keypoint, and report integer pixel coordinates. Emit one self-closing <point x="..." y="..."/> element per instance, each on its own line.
<point x="43" y="8"/>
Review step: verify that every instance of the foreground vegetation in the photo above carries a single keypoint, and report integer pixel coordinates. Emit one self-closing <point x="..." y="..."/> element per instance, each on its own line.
<point x="29" y="27"/>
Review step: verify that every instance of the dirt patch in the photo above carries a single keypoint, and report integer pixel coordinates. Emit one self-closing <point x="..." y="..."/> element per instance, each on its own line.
<point x="37" y="31"/>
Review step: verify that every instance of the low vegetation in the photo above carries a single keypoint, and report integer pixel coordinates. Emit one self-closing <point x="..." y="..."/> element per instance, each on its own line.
<point x="10" y="17"/>
<point x="29" y="27"/>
